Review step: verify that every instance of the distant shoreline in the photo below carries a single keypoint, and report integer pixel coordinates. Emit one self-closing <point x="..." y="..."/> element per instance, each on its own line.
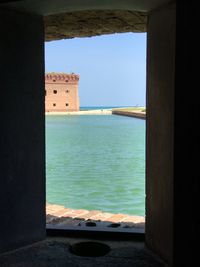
<point x="83" y="112"/>
<point x="137" y="112"/>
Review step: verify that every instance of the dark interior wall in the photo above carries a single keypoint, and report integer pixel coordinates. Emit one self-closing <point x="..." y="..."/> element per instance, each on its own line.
<point x="22" y="140"/>
<point x="187" y="137"/>
<point x="160" y="130"/>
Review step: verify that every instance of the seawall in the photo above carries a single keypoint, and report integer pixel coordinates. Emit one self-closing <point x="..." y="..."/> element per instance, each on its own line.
<point x="136" y="114"/>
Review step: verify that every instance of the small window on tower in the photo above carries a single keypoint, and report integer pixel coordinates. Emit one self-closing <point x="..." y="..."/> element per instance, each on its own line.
<point x="54" y="80"/>
<point x="67" y="91"/>
<point x="66" y="81"/>
<point x="45" y="92"/>
<point x="67" y="104"/>
<point x="55" y="91"/>
<point x="54" y="104"/>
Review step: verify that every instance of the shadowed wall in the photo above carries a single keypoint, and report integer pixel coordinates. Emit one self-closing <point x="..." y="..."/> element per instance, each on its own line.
<point x="22" y="176"/>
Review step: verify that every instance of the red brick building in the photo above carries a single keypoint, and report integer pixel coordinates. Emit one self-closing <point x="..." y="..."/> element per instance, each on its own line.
<point x="61" y="92"/>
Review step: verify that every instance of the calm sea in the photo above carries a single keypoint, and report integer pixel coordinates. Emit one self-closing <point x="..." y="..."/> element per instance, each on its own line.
<point x="96" y="163"/>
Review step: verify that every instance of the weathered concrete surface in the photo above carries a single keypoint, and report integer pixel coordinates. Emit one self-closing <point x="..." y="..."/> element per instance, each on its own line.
<point x="22" y="156"/>
<point x="93" y="22"/>
<point x="56" y="252"/>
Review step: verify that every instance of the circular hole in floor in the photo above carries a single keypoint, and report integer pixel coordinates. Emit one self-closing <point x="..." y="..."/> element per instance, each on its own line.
<point x="90" y="224"/>
<point x="114" y="225"/>
<point x="90" y="249"/>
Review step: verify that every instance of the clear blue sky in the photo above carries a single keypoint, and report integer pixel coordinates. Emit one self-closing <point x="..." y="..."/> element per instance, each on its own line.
<point x="112" y="68"/>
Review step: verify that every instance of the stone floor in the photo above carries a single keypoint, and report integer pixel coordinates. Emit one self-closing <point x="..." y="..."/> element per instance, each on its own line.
<point x="60" y="216"/>
<point x="57" y="252"/>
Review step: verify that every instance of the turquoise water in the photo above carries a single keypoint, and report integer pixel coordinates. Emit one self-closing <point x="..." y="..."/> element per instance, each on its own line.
<point x="96" y="163"/>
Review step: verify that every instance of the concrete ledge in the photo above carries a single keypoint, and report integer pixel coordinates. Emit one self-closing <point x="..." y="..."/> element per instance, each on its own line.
<point x="59" y="217"/>
<point x="135" y="114"/>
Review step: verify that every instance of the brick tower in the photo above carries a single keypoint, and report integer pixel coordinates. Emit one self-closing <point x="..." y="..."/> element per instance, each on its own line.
<point x="61" y="92"/>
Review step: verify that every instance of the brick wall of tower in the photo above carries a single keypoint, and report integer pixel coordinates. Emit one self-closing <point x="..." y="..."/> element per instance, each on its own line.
<point x="61" y="92"/>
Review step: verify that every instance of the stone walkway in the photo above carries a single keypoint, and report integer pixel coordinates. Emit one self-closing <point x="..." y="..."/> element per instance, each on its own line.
<point x="57" y="215"/>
